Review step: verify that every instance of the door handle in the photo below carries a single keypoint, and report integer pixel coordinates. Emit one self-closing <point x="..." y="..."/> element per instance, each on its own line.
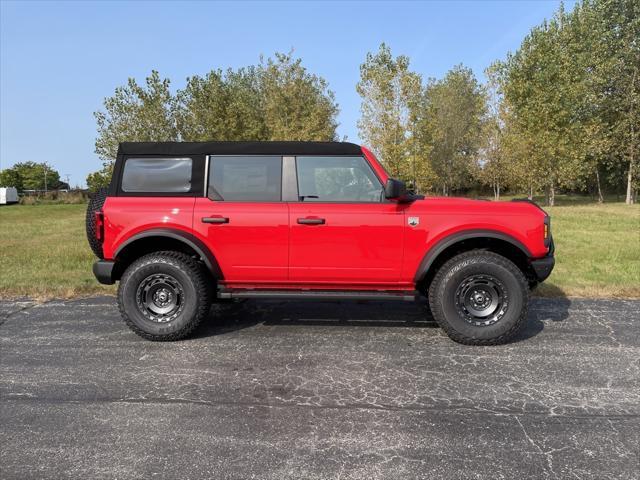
<point x="311" y="221"/>
<point x="215" y="220"/>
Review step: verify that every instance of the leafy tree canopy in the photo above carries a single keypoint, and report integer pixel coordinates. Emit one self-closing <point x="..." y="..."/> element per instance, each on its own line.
<point x="31" y="176"/>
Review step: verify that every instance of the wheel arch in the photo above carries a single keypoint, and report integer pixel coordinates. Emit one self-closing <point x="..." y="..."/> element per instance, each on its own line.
<point x="494" y="241"/>
<point x="159" y="239"/>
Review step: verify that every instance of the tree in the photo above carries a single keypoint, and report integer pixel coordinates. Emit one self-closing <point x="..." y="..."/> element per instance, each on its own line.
<point x="101" y="178"/>
<point x="572" y="94"/>
<point x="390" y="92"/>
<point x="455" y="109"/>
<point x="136" y="113"/>
<point x="492" y="164"/>
<point x="536" y="94"/>
<point x="31" y="176"/>
<point x="9" y="177"/>
<point x="493" y="161"/>
<point x="275" y="100"/>
<point x="621" y="43"/>
<point x="222" y="106"/>
<point x="298" y="105"/>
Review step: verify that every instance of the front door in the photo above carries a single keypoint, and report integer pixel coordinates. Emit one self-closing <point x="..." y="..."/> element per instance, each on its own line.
<point x="343" y="231"/>
<point x="243" y="219"/>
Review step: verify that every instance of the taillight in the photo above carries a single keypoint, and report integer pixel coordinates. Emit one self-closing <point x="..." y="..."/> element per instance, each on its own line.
<point x="99" y="225"/>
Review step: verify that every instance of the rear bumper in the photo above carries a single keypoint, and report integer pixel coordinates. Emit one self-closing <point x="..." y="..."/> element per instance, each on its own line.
<point x="103" y="270"/>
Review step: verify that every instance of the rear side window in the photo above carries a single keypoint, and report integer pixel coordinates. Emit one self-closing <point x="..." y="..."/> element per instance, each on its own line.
<point x="245" y="179"/>
<point x="157" y="175"/>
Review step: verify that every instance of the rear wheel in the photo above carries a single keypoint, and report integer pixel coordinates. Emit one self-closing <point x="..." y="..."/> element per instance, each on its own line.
<point x="479" y="298"/>
<point x="164" y="296"/>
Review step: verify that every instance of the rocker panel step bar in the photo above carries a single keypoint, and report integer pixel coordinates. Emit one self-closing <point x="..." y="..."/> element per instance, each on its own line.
<point x="319" y="295"/>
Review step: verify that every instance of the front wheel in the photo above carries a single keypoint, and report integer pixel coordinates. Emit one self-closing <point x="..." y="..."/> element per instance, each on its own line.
<point x="164" y="296"/>
<point x="479" y="298"/>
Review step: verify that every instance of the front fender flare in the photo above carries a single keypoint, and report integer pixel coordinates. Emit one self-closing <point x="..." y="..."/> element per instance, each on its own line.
<point x="454" y="238"/>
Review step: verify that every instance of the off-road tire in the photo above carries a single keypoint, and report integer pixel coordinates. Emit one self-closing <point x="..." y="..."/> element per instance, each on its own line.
<point x="447" y="281"/>
<point x="96" y="201"/>
<point x="196" y="295"/>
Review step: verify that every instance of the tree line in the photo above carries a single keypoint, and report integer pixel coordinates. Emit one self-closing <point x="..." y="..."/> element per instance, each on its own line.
<point x="278" y="99"/>
<point x="32" y="176"/>
<point x="561" y="113"/>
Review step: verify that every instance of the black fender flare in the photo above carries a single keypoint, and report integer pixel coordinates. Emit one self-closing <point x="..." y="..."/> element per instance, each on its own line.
<point x="188" y="239"/>
<point x="454" y="238"/>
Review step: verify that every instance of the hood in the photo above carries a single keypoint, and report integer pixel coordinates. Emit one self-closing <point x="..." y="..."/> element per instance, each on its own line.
<point x="456" y="205"/>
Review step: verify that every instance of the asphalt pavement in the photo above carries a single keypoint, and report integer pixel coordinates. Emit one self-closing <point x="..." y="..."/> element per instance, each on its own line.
<point x="336" y="390"/>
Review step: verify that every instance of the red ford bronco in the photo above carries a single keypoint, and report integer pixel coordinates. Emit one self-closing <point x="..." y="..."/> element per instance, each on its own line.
<point x="185" y="224"/>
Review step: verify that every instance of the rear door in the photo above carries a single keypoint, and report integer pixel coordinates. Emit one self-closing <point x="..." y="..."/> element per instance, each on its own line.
<point x="243" y="219"/>
<point x="343" y="231"/>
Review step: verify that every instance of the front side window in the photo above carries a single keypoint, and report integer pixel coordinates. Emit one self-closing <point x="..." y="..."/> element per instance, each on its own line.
<point x="245" y="179"/>
<point x="157" y="175"/>
<point x="337" y="179"/>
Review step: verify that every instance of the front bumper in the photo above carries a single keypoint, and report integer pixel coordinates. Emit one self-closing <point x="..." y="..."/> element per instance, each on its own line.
<point x="103" y="270"/>
<point x="542" y="267"/>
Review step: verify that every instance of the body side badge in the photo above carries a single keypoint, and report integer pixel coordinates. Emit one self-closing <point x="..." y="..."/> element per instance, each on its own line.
<point x="413" y="221"/>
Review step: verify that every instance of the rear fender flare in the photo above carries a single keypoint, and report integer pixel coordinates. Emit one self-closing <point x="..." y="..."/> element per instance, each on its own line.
<point x="188" y="239"/>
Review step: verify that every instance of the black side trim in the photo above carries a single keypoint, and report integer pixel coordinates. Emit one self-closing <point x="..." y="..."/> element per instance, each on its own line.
<point x="103" y="270"/>
<point x="319" y="294"/>
<point x="115" y="176"/>
<point x="190" y="240"/>
<point x="445" y="243"/>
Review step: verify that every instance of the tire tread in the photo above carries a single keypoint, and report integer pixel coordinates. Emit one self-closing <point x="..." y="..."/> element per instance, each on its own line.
<point x="193" y="269"/>
<point x="435" y="298"/>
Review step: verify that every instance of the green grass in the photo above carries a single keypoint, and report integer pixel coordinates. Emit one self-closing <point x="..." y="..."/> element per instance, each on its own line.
<point x="597" y="251"/>
<point x="44" y="251"/>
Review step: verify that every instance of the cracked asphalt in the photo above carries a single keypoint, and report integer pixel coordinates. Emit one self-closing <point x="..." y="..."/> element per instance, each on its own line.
<point x="276" y="390"/>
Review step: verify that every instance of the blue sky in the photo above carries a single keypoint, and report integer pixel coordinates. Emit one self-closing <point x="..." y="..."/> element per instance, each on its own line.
<point x="58" y="60"/>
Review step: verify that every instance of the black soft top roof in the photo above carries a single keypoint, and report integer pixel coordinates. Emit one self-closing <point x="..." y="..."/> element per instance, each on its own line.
<point x="239" y="148"/>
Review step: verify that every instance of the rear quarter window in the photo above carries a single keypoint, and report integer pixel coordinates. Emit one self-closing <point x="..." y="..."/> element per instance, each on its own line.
<point x="157" y="175"/>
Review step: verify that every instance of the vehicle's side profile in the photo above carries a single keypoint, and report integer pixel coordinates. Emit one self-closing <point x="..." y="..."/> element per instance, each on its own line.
<point x="184" y="224"/>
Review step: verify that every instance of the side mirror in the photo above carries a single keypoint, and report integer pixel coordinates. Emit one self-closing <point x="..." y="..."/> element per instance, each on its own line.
<point x="395" y="189"/>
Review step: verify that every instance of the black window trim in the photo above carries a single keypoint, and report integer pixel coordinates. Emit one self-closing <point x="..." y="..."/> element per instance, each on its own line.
<point x="200" y="183"/>
<point x="209" y="159"/>
<point x="197" y="181"/>
<point x="359" y="202"/>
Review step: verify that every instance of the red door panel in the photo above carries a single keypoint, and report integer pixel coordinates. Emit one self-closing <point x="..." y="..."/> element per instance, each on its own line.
<point x="338" y="243"/>
<point x="249" y="240"/>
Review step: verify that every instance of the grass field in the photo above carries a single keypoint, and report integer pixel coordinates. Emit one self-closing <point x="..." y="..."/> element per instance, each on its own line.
<point x="44" y="252"/>
<point x="597" y="251"/>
